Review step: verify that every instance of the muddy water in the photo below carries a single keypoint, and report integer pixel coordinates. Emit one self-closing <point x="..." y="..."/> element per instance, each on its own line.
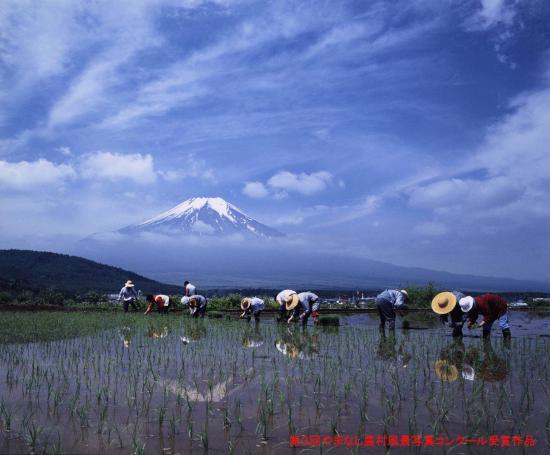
<point x="172" y="385"/>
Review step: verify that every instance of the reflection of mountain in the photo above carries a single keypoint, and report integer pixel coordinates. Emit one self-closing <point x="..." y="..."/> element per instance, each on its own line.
<point x="218" y="392"/>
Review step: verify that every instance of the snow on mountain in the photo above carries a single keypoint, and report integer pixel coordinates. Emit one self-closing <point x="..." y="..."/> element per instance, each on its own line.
<point x="204" y="216"/>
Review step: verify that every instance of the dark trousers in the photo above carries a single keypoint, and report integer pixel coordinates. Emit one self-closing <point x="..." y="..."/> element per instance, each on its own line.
<point x="201" y="311"/>
<point x="126" y="303"/>
<point x="386" y="312"/>
<point x="282" y="313"/>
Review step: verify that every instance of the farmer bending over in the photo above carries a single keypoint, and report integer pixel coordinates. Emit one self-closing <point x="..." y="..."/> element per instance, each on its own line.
<point x="251" y="306"/>
<point x="387" y="303"/>
<point x="128" y="295"/>
<point x="282" y="299"/>
<point x="162" y="302"/>
<point x="309" y="305"/>
<point x="197" y="305"/>
<point x="492" y="307"/>
<point x="445" y="304"/>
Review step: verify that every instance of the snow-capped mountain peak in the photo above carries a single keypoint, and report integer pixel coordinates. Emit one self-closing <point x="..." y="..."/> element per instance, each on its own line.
<point x="204" y="216"/>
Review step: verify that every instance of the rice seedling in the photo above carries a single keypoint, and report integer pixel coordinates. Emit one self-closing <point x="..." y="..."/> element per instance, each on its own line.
<point x="344" y="382"/>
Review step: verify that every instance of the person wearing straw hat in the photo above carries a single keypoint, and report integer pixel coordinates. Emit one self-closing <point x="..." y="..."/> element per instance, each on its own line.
<point x="282" y="298"/>
<point x="309" y="304"/>
<point x="162" y="302"/>
<point x="387" y="303"/>
<point x="445" y="304"/>
<point x="128" y="295"/>
<point x="292" y="307"/>
<point x="197" y="305"/>
<point x="492" y="307"/>
<point x="251" y="306"/>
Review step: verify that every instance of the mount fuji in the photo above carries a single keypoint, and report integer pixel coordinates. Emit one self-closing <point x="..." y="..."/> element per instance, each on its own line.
<point x="203" y="216"/>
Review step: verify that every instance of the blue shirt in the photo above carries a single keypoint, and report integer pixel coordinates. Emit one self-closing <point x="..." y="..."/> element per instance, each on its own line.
<point x="397" y="298"/>
<point x="307" y="299"/>
<point x="127" y="293"/>
<point x="256" y="305"/>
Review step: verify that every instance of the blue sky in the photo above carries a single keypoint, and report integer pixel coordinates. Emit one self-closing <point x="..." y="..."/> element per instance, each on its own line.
<point x="415" y="132"/>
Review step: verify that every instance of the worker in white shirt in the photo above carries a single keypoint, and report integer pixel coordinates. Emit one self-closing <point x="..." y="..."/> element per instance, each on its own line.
<point x="251" y="306"/>
<point x="282" y="299"/>
<point x="128" y="295"/>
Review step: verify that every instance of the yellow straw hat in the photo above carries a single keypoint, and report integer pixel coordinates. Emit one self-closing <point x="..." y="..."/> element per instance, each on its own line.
<point x="443" y="303"/>
<point x="446" y="371"/>
<point x="292" y="301"/>
<point x="245" y="303"/>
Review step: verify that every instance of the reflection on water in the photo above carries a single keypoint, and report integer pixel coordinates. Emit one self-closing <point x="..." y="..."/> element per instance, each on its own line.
<point x="297" y="344"/>
<point x="472" y="363"/>
<point x="252" y="337"/>
<point x="118" y="390"/>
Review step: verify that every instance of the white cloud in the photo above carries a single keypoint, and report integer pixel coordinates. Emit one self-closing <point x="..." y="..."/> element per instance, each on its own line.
<point x="115" y="166"/>
<point x="255" y="189"/>
<point x="493" y="12"/>
<point x="24" y="175"/>
<point x="303" y="183"/>
<point x="467" y="194"/>
<point x="280" y="185"/>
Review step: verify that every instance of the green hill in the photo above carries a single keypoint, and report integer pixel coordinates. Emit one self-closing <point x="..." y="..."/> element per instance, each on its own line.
<point x="38" y="270"/>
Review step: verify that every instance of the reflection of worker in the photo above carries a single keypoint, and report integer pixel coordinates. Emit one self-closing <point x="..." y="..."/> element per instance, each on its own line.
<point x="492" y="368"/>
<point x="309" y="304"/>
<point x="128" y="295"/>
<point x="160" y="300"/>
<point x="251" y="306"/>
<point x="193" y="332"/>
<point x="388" y="302"/>
<point x="157" y="332"/>
<point x="471" y="363"/>
<point x="282" y="299"/>
<point x="298" y="345"/>
<point x="386" y="346"/>
<point x="197" y="305"/>
<point x="492" y="307"/>
<point x="252" y="338"/>
<point x="451" y="360"/>
<point x="445" y="304"/>
<point x="126" y="334"/>
<point x="189" y="289"/>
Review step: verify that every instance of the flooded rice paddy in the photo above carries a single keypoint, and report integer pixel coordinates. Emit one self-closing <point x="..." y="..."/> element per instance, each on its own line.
<point x="174" y="385"/>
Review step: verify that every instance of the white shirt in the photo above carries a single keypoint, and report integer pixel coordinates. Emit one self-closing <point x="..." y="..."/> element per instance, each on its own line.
<point x="283" y="296"/>
<point x="190" y="290"/>
<point x="256" y="304"/>
<point x="165" y="299"/>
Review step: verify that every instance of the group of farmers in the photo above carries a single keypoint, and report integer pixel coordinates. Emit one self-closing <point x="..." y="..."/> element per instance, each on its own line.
<point x="459" y="308"/>
<point x="454" y="308"/>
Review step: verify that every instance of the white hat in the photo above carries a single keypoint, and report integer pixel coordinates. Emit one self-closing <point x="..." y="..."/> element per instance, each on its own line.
<point x="185" y="300"/>
<point x="129" y="284"/>
<point x="466" y="303"/>
<point x="403" y="291"/>
<point x="468" y="372"/>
